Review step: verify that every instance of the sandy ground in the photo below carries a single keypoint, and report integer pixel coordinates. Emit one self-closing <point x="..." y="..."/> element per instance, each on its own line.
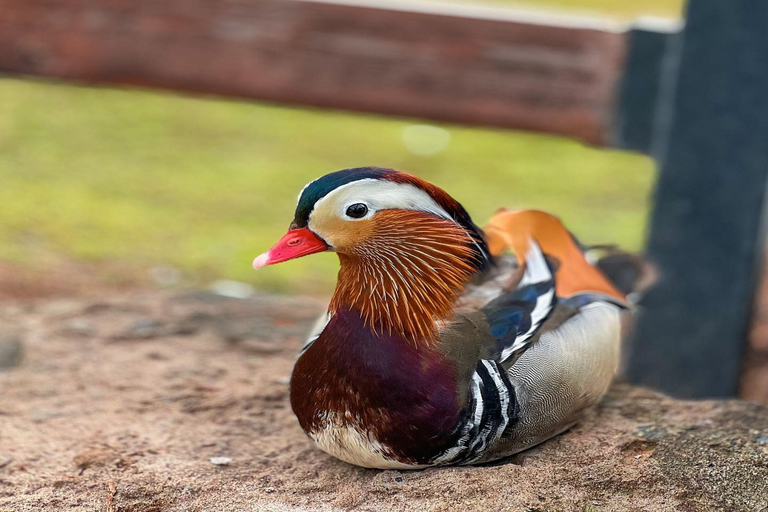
<point x="64" y="278"/>
<point x="120" y="403"/>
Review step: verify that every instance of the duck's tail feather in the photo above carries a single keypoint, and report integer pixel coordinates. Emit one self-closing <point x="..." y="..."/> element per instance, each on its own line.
<point x="628" y="272"/>
<point x="574" y="274"/>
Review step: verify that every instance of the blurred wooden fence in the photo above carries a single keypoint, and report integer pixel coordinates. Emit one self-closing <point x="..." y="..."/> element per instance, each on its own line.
<point x="693" y="98"/>
<point x="469" y="69"/>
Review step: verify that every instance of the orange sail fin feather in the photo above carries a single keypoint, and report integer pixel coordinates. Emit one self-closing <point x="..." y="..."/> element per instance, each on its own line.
<point x="574" y="274"/>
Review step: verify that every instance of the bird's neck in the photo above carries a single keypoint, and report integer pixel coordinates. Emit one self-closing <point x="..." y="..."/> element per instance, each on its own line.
<point x="406" y="279"/>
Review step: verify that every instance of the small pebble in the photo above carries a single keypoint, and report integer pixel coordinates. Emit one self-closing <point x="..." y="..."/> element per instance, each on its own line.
<point x="43" y="415"/>
<point x="398" y="479"/>
<point x="261" y="347"/>
<point x="762" y="440"/>
<point x="11" y="351"/>
<point x="232" y="289"/>
<point x="142" y="330"/>
<point x="80" y="326"/>
<point x="145" y="329"/>
<point x="651" y="432"/>
<point x="220" y="461"/>
<point x="165" y="275"/>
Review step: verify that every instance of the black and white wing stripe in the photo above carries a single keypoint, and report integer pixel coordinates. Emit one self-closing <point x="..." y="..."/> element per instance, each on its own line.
<point x="514" y="318"/>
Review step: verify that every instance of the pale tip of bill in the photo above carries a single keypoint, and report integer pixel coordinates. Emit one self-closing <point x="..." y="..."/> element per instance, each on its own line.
<point x="261" y="261"/>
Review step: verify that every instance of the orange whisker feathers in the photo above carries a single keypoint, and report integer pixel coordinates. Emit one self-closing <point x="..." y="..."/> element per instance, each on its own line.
<point x="410" y="270"/>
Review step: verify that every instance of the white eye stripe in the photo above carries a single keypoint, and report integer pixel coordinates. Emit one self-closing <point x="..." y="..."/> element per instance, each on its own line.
<point x="379" y="195"/>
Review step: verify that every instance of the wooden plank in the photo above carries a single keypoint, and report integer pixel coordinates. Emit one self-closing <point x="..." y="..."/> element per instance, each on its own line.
<point x="707" y="226"/>
<point x="440" y="64"/>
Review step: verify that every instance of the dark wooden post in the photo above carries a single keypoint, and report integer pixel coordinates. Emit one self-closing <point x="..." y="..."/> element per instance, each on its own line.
<point x="707" y="223"/>
<point x="651" y="62"/>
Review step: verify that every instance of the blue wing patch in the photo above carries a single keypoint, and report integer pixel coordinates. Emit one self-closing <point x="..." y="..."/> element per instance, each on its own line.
<point x="515" y="317"/>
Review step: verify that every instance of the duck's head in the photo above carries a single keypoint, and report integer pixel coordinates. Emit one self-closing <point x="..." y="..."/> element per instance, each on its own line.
<point x="404" y="241"/>
<point x="347" y="211"/>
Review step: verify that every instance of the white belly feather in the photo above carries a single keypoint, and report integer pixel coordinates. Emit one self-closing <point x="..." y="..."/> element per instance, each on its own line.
<point x="352" y="445"/>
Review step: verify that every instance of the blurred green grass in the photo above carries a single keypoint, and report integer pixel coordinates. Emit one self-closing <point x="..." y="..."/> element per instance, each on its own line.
<point x="151" y="178"/>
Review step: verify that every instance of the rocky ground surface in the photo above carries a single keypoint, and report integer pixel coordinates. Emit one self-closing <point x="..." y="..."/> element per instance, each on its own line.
<point x="160" y="402"/>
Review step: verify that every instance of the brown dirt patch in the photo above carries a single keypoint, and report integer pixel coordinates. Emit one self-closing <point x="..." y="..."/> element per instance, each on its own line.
<point x="121" y="402"/>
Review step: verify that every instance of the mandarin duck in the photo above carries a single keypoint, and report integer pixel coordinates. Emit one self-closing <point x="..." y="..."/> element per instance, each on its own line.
<point x="439" y="347"/>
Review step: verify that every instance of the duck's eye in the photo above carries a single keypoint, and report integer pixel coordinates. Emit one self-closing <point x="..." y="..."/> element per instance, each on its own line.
<point x="357" y="211"/>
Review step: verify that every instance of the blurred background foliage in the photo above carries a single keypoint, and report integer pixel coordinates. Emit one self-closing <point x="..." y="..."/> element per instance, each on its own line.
<point x="190" y="189"/>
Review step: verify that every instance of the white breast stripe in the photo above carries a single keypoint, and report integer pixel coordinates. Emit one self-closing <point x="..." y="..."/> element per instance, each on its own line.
<point x="477" y="384"/>
<point x="478" y="441"/>
<point x="503" y="391"/>
<point x="316" y="331"/>
<point x="474" y="440"/>
<point x="468" y="429"/>
<point x="494" y="421"/>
